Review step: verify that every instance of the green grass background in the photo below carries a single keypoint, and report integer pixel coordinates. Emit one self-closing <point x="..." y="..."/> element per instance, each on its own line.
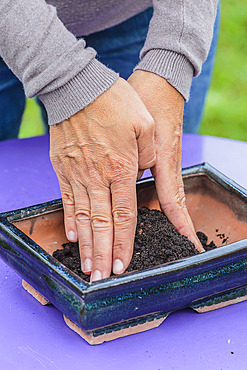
<point x="226" y="108"/>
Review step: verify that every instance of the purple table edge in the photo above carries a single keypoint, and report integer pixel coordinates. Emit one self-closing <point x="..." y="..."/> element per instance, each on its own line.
<point x="36" y="337"/>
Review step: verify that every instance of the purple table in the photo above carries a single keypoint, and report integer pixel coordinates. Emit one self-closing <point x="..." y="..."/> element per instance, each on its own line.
<point x="35" y="337"/>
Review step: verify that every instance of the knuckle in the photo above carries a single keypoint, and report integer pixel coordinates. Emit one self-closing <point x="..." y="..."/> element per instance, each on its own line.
<point x="171" y="203"/>
<point x="101" y="222"/>
<point x="69" y="218"/>
<point x="182" y="198"/>
<point x="151" y="124"/>
<point x="120" y="249"/>
<point x="98" y="259"/>
<point x="147" y="163"/>
<point x="68" y="198"/>
<point x="122" y="216"/>
<point x="82" y="215"/>
<point x="85" y="248"/>
<point x="148" y="125"/>
<point x="176" y="203"/>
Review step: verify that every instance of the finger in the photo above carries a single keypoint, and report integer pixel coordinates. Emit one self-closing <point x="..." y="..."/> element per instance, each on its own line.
<point x="124" y="214"/>
<point x="182" y="197"/>
<point x="84" y="229"/>
<point x="193" y="236"/>
<point x="181" y="192"/>
<point x="102" y="227"/>
<point x="146" y="143"/>
<point x="69" y="210"/>
<point x="172" y="201"/>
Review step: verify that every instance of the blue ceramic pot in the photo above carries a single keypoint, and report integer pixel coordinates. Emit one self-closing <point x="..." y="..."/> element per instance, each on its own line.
<point x="217" y="205"/>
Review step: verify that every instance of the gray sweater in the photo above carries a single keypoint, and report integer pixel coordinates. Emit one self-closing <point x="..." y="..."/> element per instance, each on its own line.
<point x="38" y="42"/>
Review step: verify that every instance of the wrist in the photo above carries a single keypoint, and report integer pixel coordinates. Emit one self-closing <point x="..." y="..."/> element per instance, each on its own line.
<point x="173" y="67"/>
<point x="79" y="92"/>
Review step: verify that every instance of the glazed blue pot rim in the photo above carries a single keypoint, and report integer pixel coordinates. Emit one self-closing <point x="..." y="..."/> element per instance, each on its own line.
<point x="202" y="168"/>
<point x="79" y="284"/>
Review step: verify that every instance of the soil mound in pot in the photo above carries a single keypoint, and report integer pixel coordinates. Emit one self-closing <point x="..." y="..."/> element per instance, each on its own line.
<point x="156" y="242"/>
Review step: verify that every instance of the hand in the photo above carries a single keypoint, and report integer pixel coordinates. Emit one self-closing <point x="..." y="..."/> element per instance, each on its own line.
<point x="96" y="155"/>
<point x="166" y="106"/>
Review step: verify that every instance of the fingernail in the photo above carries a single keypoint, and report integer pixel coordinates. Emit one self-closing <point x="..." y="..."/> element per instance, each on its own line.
<point x="71" y="236"/>
<point x="118" y="267"/>
<point x="88" y="264"/>
<point x="96" y="275"/>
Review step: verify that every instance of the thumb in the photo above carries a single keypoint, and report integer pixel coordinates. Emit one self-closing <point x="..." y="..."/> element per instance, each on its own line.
<point x="146" y="144"/>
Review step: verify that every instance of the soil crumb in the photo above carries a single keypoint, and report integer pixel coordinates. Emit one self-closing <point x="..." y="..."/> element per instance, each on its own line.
<point x="204" y="239"/>
<point x="156" y="242"/>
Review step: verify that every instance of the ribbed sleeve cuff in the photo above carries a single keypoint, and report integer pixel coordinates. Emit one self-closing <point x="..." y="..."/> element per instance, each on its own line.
<point x="174" y="67"/>
<point x="80" y="91"/>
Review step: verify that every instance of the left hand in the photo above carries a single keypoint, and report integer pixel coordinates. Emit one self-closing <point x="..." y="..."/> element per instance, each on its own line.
<point x="166" y="106"/>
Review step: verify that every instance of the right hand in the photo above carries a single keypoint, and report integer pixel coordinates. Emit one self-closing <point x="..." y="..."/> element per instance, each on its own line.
<point x="166" y="105"/>
<point x="96" y="155"/>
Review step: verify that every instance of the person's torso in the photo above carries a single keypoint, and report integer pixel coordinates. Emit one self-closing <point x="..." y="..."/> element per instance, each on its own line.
<point x="84" y="17"/>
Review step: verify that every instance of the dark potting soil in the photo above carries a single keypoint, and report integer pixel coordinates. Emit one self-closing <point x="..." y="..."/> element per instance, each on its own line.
<point x="204" y="239"/>
<point x="156" y="242"/>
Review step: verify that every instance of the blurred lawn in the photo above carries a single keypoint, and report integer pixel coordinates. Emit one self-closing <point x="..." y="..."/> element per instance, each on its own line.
<point x="226" y="109"/>
<point x="32" y="124"/>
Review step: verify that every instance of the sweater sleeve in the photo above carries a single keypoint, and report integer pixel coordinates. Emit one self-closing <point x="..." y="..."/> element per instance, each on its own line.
<point x="49" y="60"/>
<point x="178" y="40"/>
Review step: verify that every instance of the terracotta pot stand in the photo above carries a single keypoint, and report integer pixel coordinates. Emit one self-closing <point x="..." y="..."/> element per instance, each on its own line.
<point x="35" y="293"/>
<point x="125" y="328"/>
<point x="107" y="333"/>
<point x="220" y="300"/>
<point x="147" y="322"/>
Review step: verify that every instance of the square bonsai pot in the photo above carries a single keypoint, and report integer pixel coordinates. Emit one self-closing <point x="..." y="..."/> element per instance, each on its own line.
<point x="140" y="300"/>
